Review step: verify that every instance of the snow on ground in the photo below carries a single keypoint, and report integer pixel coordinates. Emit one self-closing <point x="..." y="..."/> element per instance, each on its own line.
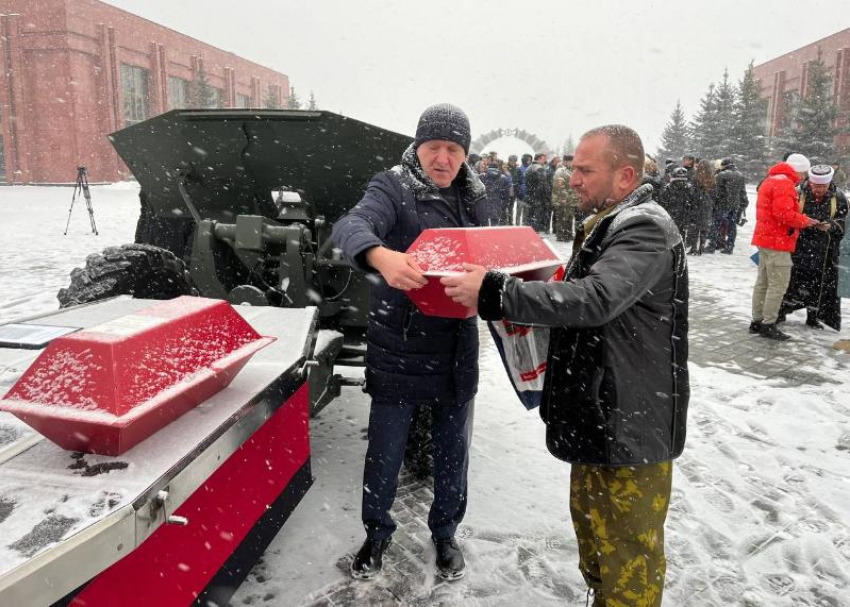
<point x="761" y="507"/>
<point x="37" y="258"/>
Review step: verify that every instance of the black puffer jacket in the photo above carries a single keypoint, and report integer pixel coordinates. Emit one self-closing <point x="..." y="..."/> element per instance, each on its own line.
<point x="730" y="191"/>
<point x="616" y="390"/>
<point x="410" y="356"/>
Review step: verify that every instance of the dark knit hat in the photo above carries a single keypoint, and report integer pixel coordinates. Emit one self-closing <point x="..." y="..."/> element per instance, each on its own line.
<point x="446" y="122"/>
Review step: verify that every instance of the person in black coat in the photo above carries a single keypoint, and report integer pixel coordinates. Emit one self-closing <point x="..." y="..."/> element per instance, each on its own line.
<point x="814" y="276"/>
<point x="616" y="389"/>
<point x="701" y="220"/>
<point x="538" y="195"/>
<point x="730" y="202"/>
<point x="678" y="198"/>
<point x="415" y="360"/>
<point x="498" y="186"/>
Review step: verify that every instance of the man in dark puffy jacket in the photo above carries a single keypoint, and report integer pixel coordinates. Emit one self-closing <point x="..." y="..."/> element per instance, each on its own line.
<point x="415" y="360"/>
<point x="678" y="198"/>
<point x="616" y="389"/>
<point x="498" y="185"/>
<point x="730" y="201"/>
<point x="538" y="195"/>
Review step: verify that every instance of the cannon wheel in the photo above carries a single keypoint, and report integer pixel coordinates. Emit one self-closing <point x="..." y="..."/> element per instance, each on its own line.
<point x="419" y="454"/>
<point x="141" y="270"/>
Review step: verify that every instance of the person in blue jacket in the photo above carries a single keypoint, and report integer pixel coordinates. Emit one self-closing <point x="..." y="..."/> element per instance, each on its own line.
<point x="415" y="360"/>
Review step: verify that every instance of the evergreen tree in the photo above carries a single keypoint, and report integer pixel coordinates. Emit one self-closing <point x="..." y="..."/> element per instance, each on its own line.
<point x="201" y="93"/>
<point x="293" y="102"/>
<point x="312" y="105"/>
<point x="725" y="112"/>
<point x="272" y="100"/>
<point x="675" y="140"/>
<point x="569" y="145"/>
<point x="811" y="120"/>
<point x="748" y="133"/>
<point x="704" y="128"/>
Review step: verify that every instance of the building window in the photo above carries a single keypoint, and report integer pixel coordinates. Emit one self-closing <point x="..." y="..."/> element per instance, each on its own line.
<point x="134" y="88"/>
<point x="764" y="106"/>
<point x="2" y="159"/>
<point x="243" y="101"/>
<point x="179" y="93"/>
<point x="790" y="106"/>
<point x="272" y="100"/>
<point x="215" y="96"/>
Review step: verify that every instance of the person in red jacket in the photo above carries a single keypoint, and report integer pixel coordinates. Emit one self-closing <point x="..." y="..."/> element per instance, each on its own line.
<point x="778" y="224"/>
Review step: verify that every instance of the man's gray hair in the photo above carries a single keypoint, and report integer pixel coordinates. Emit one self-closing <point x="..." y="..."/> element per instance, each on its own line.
<point x="624" y="146"/>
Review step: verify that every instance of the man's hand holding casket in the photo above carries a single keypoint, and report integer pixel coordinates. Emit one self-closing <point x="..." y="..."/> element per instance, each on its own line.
<point x="398" y="269"/>
<point x="463" y="288"/>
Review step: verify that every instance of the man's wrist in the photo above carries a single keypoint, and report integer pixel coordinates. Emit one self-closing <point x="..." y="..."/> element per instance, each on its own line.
<point x="373" y="255"/>
<point x="490" y="296"/>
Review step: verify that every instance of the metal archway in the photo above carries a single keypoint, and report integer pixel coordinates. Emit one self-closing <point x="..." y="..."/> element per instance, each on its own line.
<point x="538" y="145"/>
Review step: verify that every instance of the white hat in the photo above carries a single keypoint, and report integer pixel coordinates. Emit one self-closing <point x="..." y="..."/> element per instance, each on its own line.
<point x="799" y="163"/>
<point x="821" y="174"/>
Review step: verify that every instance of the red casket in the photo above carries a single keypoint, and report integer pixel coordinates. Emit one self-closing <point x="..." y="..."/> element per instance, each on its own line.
<point x="106" y="388"/>
<point x="514" y="250"/>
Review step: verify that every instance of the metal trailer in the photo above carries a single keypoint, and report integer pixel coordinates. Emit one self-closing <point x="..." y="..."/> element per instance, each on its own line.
<point x="181" y="517"/>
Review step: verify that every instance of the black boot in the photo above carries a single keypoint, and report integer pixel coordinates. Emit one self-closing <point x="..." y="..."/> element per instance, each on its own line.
<point x="450" y="562"/>
<point x="370" y="559"/>
<point x="755" y="326"/>
<point x="814" y="323"/>
<point x="771" y="332"/>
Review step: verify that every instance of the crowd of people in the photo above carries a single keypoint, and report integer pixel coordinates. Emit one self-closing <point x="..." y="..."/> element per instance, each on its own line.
<point x="530" y="190"/>
<point x="707" y="200"/>
<point x="800" y="221"/>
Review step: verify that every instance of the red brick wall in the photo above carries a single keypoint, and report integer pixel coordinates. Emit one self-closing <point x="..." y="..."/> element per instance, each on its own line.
<point x="788" y="73"/>
<point x="60" y="83"/>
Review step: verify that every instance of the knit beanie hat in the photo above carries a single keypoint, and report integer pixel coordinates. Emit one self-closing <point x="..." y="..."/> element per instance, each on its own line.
<point x="446" y="122"/>
<point x="799" y="163"/>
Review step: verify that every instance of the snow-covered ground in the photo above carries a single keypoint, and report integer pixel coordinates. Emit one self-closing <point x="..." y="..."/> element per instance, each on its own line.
<point x="37" y="258"/>
<point x="761" y="508"/>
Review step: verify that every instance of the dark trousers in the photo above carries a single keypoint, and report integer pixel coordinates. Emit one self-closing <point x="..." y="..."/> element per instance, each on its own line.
<point x="540" y="213"/>
<point x="451" y="434"/>
<point x="725" y="229"/>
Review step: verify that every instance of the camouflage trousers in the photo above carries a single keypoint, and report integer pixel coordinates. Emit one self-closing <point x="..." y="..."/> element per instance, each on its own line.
<point x="618" y="516"/>
<point x="563" y="215"/>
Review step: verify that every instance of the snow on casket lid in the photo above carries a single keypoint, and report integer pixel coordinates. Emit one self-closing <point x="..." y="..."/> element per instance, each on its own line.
<point x="517" y="251"/>
<point x="107" y="388"/>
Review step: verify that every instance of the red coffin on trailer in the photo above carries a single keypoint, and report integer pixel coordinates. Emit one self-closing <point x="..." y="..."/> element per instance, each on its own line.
<point x="514" y="250"/>
<point x="107" y="388"/>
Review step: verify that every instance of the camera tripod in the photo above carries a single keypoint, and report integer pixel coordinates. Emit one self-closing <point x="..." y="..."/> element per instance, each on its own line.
<point x="82" y="186"/>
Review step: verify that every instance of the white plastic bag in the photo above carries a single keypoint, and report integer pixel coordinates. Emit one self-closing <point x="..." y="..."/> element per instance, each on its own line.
<point x="524" y="350"/>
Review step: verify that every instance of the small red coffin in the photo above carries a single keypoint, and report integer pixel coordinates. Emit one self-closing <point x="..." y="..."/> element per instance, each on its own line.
<point x="109" y="387"/>
<point x="517" y="251"/>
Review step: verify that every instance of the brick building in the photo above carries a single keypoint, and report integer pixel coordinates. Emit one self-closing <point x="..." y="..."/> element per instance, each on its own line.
<point x="784" y="79"/>
<point x="73" y="71"/>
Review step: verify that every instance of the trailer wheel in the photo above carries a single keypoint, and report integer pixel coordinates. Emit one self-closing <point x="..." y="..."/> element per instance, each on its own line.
<point x="419" y="453"/>
<point x="143" y="271"/>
